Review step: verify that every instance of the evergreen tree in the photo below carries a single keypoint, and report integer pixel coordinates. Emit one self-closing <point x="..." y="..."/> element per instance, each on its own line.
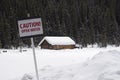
<point x="86" y="21"/>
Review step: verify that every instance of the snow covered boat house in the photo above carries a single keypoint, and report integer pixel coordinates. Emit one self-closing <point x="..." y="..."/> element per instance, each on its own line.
<point x="57" y="43"/>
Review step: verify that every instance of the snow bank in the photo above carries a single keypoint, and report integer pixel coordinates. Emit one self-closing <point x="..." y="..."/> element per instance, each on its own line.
<point x="103" y="66"/>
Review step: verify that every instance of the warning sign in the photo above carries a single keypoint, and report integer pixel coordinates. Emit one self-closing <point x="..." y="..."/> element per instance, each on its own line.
<point x="30" y="27"/>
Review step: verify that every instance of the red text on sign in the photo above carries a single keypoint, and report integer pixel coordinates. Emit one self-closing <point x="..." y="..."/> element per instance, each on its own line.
<point x="30" y="24"/>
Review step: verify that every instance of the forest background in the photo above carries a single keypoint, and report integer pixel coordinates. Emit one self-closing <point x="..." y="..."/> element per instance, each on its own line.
<point x="85" y="21"/>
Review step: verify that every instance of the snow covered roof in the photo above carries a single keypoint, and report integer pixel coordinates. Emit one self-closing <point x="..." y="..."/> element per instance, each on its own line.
<point x="53" y="40"/>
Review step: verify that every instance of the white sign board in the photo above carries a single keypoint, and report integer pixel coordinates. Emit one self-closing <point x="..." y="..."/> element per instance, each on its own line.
<point x="30" y="27"/>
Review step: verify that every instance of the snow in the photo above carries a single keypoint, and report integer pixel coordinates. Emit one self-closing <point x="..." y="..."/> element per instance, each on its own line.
<point x="58" y="40"/>
<point x="76" y="64"/>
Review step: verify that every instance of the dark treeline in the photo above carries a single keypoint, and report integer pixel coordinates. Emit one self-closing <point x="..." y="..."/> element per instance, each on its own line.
<point x="85" y="21"/>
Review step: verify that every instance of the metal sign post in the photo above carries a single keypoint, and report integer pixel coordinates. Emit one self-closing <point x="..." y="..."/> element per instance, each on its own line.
<point x="34" y="56"/>
<point x="29" y="28"/>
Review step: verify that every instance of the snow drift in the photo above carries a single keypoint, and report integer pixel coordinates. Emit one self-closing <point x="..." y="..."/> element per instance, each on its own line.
<point x="103" y="66"/>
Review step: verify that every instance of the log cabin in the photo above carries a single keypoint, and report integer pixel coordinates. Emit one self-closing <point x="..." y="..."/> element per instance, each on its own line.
<point x="56" y="43"/>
